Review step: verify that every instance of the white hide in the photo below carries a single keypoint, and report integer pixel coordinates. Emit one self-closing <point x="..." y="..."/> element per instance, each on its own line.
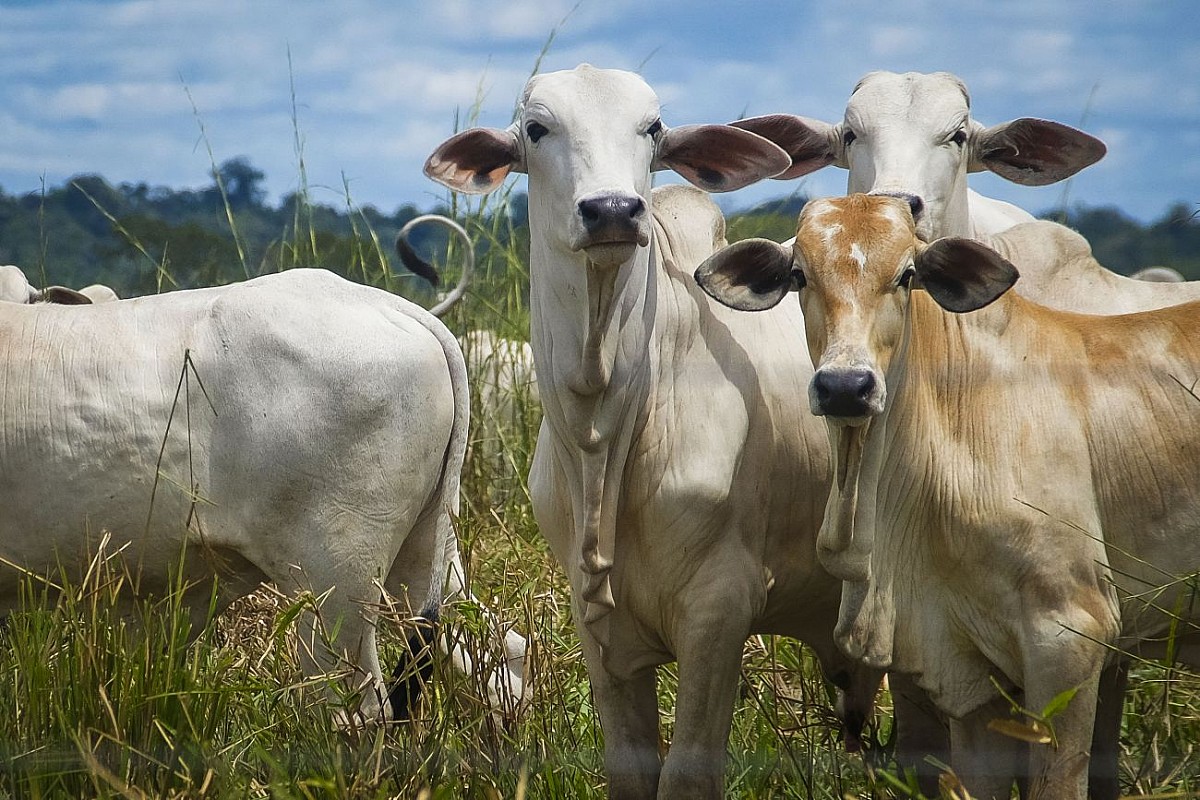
<point x="674" y="478"/>
<point x="311" y="433"/>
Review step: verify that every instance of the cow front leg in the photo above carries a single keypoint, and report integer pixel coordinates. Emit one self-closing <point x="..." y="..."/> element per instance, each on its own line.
<point x="922" y="733"/>
<point x="628" y="710"/>
<point x="710" y="660"/>
<point x="1059" y="771"/>
<point x="985" y="760"/>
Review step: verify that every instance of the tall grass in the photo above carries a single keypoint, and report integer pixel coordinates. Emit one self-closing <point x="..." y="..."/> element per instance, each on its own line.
<point x="105" y="699"/>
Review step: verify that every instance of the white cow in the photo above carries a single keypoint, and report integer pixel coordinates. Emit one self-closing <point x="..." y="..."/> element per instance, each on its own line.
<point x="1016" y="494"/>
<point x="297" y="428"/>
<point x="912" y="135"/>
<point x="674" y="478"/>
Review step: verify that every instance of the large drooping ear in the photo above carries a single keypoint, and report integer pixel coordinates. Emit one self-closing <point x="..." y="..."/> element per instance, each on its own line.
<point x="963" y="274"/>
<point x="476" y="161"/>
<point x="750" y="275"/>
<point x="718" y="158"/>
<point x="810" y="143"/>
<point x="1034" y="152"/>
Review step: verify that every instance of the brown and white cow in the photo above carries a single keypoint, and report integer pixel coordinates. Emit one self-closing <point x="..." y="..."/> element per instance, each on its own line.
<point x="1015" y="488"/>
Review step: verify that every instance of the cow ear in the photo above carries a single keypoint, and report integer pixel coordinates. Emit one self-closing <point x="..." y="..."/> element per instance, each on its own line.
<point x="61" y="295"/>
<point x="810" y="143"/>
<point x="1034" y="152"/>
<point x="750" y="275"/>
<point x="962" y="274"/>
<point x="476" y="161"/>
<point x="718" y="158"/>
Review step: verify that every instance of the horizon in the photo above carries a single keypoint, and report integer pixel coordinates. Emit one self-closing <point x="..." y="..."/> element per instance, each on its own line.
<point x="361" y="93"/>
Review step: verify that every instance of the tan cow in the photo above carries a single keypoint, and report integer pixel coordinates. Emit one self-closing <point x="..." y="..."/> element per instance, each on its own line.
<point x="1015" y="488"/>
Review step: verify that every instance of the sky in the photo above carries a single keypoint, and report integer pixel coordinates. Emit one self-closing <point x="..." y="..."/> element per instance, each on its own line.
<point x="359" y="92"/>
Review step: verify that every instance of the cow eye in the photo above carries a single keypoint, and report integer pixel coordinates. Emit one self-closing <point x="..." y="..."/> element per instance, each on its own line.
<point x="655" y="128"/>
<point x="959" y="136"/>
<point x="848" y="137"/>
<point x="906" y="278"/>
<point x="535" y="131"/>
<point x="798" y="279"/>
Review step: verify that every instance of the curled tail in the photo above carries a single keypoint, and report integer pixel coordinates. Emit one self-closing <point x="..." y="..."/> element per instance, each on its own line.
<point x="419" y="266"/>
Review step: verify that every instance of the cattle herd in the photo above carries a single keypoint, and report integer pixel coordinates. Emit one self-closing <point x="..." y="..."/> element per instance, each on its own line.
<point x="930" y="437"/>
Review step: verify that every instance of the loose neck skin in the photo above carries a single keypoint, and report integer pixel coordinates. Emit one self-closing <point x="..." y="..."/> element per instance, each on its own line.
<point x="591" y="328"/>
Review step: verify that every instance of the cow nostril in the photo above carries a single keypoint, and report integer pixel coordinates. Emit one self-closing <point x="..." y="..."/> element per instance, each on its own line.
<point x="917" y="205"/>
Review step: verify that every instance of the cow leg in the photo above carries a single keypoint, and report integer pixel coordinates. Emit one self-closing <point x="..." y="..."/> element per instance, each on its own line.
<point x="1106" y="738"/>
<point x="1061" y="773"/>
<point x="628" y="709"/>
<point x="343" y="629"/>
<point x="986" y="761"/>
<point x="710" y="660"/>
<point x="921" y="732"/>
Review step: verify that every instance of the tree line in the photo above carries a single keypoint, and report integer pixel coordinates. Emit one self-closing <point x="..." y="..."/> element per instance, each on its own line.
<point x="142" y="240"/>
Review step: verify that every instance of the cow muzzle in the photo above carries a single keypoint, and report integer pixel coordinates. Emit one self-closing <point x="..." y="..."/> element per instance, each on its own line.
<point x="849" y="393"/>
<point x="611" y="224"/>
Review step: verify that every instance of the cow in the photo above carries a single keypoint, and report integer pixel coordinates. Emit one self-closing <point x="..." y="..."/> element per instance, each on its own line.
<point x="1014" y="487"/>
<point x="297" y="428"/>
<point x="673" y="479"/>
<point x="912" y="135"/>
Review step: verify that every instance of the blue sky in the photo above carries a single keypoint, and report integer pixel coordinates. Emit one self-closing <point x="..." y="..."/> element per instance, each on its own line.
<point x="121" y="87"/>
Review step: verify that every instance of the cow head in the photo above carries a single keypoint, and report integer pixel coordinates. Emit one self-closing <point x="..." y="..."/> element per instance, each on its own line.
<point x="589" y="140"/>
<point x="855" y="261"/>
<point x="912" y="136"/>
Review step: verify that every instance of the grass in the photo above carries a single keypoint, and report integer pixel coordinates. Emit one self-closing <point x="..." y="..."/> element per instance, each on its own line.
<point x="103" y="700"/>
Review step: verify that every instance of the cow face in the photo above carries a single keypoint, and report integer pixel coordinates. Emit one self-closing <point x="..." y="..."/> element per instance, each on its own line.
<point x="854" y="261"/>
<point x="589" y="140"/>
<point x="911" y="136"/>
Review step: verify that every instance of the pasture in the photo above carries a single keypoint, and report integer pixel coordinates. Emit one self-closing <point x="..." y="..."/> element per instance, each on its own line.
<point x="95" y="706"/>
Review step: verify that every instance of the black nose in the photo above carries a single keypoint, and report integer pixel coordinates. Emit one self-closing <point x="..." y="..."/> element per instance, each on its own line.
<point x="612" y="215"/>
<point x="915" y="203"/>
<point x="844" y="393"/>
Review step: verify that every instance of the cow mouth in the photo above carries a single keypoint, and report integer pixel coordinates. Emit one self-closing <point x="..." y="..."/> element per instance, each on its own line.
<point x="611" y="252"/>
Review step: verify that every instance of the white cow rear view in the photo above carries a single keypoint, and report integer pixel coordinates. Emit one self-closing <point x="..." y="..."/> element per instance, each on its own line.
<point x="296" y="428"/>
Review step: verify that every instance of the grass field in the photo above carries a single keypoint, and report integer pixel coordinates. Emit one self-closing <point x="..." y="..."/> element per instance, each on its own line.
<point x="94" y="704"/>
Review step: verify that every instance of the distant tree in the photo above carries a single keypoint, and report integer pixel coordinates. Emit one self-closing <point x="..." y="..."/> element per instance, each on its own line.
<point x="242" y="183"/>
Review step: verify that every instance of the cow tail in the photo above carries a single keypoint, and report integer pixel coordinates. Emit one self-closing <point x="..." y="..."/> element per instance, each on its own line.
<point x="416" y="664"/>
<point x="421" y="267"/>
